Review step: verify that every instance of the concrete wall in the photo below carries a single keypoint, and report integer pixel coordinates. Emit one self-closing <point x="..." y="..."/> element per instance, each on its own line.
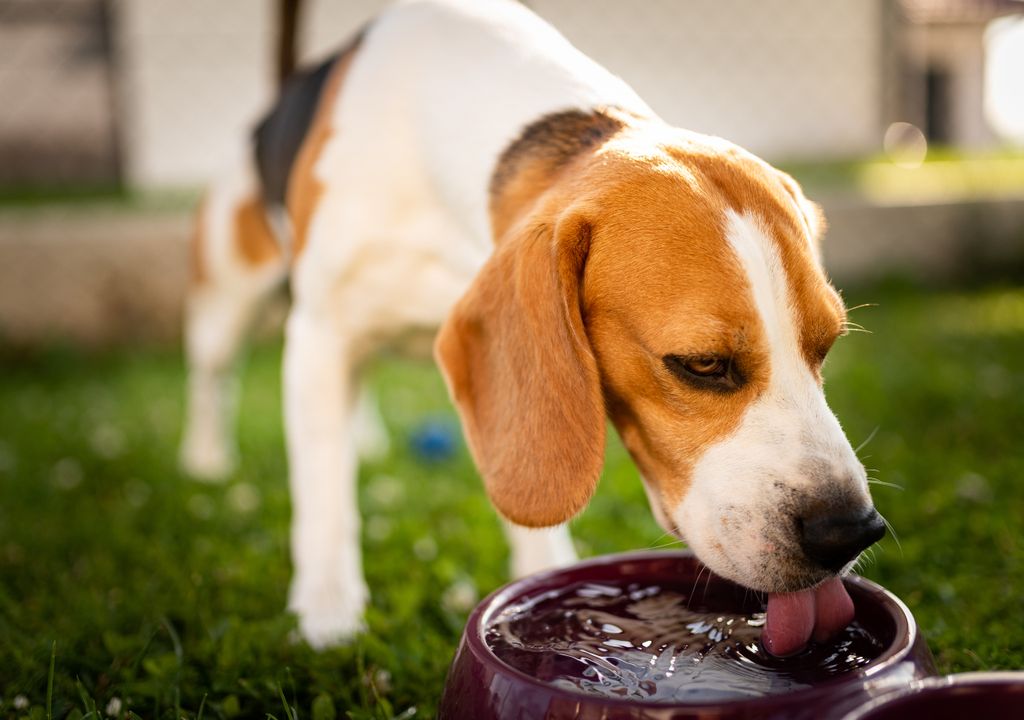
<point x="786" y="78"/>
<point x="196" y="74"/>
<point x="958" y="49"/>
<point x="783" y="78"/>
<point x="98" y="277"/>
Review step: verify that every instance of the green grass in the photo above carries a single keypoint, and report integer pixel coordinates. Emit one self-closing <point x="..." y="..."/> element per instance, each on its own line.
<point x="945" y="175"/>
<point x="165" y="597"/>
<point x="92" y="199"/>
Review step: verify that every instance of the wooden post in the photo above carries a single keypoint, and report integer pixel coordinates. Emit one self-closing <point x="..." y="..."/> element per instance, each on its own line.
<point x="289" y="12"/>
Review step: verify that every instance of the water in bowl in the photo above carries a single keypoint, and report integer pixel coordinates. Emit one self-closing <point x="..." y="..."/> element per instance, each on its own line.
<point x="656" y="643"/>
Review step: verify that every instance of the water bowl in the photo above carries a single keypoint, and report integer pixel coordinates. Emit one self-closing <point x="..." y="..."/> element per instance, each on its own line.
<point x="654" y="636"/>
<point x="953" y="697"/>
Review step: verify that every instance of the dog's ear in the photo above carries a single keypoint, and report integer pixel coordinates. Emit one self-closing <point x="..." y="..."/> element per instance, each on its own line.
<point x="812" y="213"/>
<point x="519" y="367"/>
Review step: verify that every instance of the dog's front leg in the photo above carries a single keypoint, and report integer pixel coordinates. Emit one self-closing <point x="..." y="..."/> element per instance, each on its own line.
<point x="536" y="549"/>
<point x="328" y="591"/>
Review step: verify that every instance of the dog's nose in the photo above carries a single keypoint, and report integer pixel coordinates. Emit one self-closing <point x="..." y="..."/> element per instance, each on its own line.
<point x="832" y="540"/>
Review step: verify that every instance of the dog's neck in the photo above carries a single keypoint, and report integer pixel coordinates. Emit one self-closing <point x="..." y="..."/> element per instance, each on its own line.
<point x="532" y="164"/>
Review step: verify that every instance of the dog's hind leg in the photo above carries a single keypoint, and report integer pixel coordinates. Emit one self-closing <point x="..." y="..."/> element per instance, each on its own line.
<point x="236" y="268"/>
<point x="536" y="549"/>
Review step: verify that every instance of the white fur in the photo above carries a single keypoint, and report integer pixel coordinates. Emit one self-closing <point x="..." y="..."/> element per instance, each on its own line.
<point x="536" y="549"/>
<point x="788" y="440"/>
<point x="218" y="316"/>
<point x="435" y="92"/>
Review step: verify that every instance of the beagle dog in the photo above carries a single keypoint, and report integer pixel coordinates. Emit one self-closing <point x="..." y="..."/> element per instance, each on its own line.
<point x="462" y="174"/>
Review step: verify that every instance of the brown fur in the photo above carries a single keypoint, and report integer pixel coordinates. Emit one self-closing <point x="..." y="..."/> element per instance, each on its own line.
<point x="610" y="263"/>
<point x="304" y="190"/>
<point x="750" y="185"/>
<point x="253" y="237"/>
<point x="533" y="162"/>
<point x="516" y="356"/>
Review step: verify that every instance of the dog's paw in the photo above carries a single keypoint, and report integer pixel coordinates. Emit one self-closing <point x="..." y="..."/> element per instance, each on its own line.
<point x="207" y="461"/>
<point x="329" y="629"/>
<point x="536" y="550"/>
<point x="329" y="617"/>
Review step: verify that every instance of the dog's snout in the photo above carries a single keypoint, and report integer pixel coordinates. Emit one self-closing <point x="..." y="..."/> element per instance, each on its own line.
<point x="831" y="540"/>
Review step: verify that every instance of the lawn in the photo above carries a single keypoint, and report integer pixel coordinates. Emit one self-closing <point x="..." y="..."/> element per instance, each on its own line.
<point x="944" y="175"/>
<point x="162" y="597"/>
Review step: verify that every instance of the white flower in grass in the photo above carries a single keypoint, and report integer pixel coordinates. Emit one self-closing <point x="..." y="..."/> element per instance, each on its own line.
<point x="379" y="679"/>
<point x="385" y="490"/>
<point x="20" y="702"/>
<point x="460" y="596"/>
<point x="113" y="708"/>
<point x="243" y="497"/>
<point x="425" y="548"/>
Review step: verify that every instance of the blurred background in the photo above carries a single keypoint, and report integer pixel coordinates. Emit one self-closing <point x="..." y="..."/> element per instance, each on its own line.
<point x="903" y="118"/>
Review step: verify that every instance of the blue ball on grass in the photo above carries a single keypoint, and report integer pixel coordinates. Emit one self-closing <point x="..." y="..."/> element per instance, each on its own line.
<point x="434" y="440"/>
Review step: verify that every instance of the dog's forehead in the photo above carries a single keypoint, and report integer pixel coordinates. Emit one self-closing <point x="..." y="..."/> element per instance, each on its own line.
<point x="688" y="237"/>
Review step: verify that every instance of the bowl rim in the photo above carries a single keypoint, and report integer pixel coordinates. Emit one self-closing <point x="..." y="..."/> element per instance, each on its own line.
<point x="906" y="633"/>
<point x="973" y="679"/>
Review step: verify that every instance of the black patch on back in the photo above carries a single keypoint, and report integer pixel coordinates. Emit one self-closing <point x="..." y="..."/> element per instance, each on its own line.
<point x="280" y="133"/>
<point x="555" y="139"/>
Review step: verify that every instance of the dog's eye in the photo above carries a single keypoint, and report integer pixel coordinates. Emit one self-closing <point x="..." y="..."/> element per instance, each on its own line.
<point x="705" y="366"/>
<point x="706" y="372"/>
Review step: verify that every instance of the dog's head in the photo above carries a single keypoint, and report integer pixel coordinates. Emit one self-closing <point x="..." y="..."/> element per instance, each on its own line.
<point x="672" y="282"/>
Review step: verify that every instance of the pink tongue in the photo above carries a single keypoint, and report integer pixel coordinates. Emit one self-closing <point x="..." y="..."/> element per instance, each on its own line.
<point x="834" y="608"/>
<point x="792" y="618"/>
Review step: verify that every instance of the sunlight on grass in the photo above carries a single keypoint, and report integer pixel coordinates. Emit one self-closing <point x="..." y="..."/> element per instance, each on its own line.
<point x="944" y="176"/>
<point x="939" y="181"/>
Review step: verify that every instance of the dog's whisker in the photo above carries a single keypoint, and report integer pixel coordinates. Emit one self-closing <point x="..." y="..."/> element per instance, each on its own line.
<point x="670" y="543"/>
<point x="883" y="483"/>
<point x="658" y="539"/>
<point x="849" y="329"/>
<point x="861" y="306"/>
<point x="865" y="559"/>
<point x="696" y="580"/>
<point x="672" y="540"/>
<point x="892" y="531"/>
<point x="870" y="437"/>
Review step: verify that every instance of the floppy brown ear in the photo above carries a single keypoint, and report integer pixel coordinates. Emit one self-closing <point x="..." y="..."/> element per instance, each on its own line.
<point x="520" y="370"/>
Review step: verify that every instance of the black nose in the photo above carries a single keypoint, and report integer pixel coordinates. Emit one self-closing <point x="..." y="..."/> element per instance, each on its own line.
<point x="832" y="540"/>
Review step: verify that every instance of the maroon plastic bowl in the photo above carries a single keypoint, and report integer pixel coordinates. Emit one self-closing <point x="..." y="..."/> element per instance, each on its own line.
<point x="954" y="697"/>
<point x="482" y="687"/>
